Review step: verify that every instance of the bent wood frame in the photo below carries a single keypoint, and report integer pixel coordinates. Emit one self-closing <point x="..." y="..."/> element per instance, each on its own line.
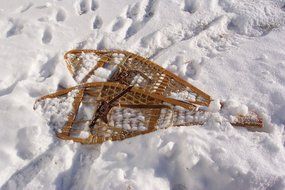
<point x="169" y="82"/>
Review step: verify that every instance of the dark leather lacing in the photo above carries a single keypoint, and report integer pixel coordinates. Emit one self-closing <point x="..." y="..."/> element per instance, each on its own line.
<point x="105" y="107"/>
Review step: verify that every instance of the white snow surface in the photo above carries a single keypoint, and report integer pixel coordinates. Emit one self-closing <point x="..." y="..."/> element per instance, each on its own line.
<point x="231" y="49"/>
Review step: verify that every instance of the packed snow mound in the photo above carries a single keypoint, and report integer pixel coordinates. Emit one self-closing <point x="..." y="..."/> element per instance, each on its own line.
<point x="233" y="50"/>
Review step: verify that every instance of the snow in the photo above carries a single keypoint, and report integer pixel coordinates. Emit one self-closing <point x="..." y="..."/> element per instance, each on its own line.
<point x="215" y="106"/>
<point x="233" y="50"/>
<point x="102" y="73"/>
<point x="56" y="110"/>
<point x="84" y="134"/>
<point x="183" y="95"/>
<point x="88" y="62"/>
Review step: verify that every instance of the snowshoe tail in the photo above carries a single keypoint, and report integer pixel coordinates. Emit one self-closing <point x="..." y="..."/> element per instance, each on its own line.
<point x="251" y="120"/>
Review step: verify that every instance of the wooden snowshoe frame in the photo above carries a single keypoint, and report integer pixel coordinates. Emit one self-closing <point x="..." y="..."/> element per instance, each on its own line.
<point x="126" y="66"/>
<point x="124" y="107"/>
<point x="154" y="112"/>
<point x="130" y="112"/>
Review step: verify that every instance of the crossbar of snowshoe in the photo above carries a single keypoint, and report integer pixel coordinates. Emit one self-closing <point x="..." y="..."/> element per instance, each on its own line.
<point x="164" y="84"/>
<point x="84" y="87"/>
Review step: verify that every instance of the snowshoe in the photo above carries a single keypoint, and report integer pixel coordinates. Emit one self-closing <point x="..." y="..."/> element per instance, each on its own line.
<point x="96" y="112"/>
<point x="131" y="69"/>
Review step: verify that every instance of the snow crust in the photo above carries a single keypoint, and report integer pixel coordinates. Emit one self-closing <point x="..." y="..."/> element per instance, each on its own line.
<point x="233" y="50"/>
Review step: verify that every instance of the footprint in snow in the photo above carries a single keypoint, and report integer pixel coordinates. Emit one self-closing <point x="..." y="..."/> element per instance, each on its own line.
<point x="27" y="7"/>
<point x="119" y="23"/>
<point x="97" y="23"/>
<point x="190" y="6"/>
<point x="94" y="5"/>
<point x="60" y="15"/>
<point x="48" y="68"/>
<point x="133" y="11"/>
<point x="82" y="7"/>
<point x="47" y="36"/>
<point x="17" y="27"/>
